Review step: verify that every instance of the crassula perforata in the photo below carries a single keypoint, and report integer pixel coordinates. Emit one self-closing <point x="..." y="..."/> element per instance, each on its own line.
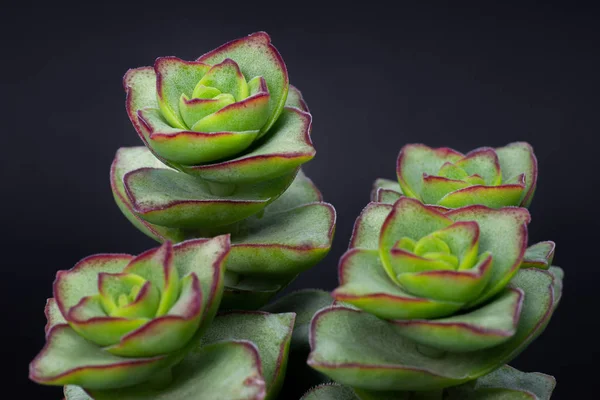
<point x="124" y="327"/>
<point x="225" y="138"/>
<point x="443" y="296"/>
<point x="506" y="176"/>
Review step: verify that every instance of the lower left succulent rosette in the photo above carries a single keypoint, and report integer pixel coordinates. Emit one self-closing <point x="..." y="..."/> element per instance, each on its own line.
<point x="145" y="327"/>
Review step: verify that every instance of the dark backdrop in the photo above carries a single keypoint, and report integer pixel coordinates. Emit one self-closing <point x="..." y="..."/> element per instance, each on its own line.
<point x="374" y="78"/>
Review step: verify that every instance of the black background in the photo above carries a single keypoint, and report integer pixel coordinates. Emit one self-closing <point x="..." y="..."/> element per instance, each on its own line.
<point x="374" y="77"/>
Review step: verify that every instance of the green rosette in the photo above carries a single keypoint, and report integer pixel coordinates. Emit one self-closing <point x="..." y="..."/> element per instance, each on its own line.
<point x="500" y="177"/>
<point x="431" y="298"/>
<point x="225" y="137"/>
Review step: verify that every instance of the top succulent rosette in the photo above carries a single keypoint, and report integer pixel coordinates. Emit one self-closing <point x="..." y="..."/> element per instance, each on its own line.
<point x="206" y="117"/>
<point x="225" y="137"/>
<point x="505" y="176"/>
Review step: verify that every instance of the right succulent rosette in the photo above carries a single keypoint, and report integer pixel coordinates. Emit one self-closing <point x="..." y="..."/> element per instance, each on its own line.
<point x="500" y="177"/>
<point x="431" y="297"/>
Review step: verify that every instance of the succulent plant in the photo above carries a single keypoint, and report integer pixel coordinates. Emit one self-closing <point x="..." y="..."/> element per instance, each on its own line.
<point x="505" y="176"/>
<point x="124" y="327"/>
<point x="505" y="383"/>
<point x="225" y="137"/>
<point x="431" y="298"/>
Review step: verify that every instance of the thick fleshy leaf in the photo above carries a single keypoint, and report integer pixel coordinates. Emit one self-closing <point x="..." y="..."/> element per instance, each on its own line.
<point x="304" y="303"/>
<point x="170" y="332"/>
<point x="490" y="196"/>
<point x="503" y="233"/>
<point x="330" y="392"/>
<point x="484" y="327"/>
<point x="173" y="199"/>
<point x="130" y="159"/>
<point x="435" y="188"/>
<point x="89" y="319"/>
<point x="71" y="286"/>
<point x="250" y="292"/>
<point x="287" y="146"/>
<point x="284" y="243"/>
<point x="227" y="78"/>
<point x="385" y="191"/>
<point x="175" y="77"/>
<point x="449" y="285"/>
<point x="483" y="162"/>
<point x="119" y="298"/>
<point x="271" y="333"/>
<point x="302" y="191"/>
<point x="415" y="160"/>
<point x="367" y="227"/>
<point x="358" y="349"/>
<point x="247" y="115"/>
<point x="140" y="89"/>
<point x="411" y="219"/>
<point x="365" y="284"/>
<point x="463" y="240"/>
<point x="223" y="371"/>
<point x="506" y="383"/>
<point x="539" y="255"/>
<point x="193" y="110"/>
<point x="515" y="159"/>
<point x="68" y="358"/>
<point x="295" y="99"/>
<point x="53" y="315"/>
<point x="256" y="56"/>
<point x="156" y="265"/>
<point x="186" y="146"/>
<point x="206" y="259"/>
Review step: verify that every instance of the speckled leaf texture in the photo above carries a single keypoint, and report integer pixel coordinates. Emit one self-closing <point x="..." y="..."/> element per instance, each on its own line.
<point x="225" y="137"/>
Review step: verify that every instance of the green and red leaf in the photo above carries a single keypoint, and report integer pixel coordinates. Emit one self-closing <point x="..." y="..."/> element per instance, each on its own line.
<point x="415" y="160"/>
<point x="287" y="146"/>
<point x="256" y="56"/>
<point x="539" y="255"/>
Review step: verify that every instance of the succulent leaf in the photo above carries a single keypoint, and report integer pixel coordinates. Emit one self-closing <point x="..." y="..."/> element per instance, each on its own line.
<point x="360" y="350"/>
<point x="176" y="200"/>
<point x="496" y="178"/>
<point x="270" y="333"/>
<point x="287" y="146"/>
<point x="539" y="255"/>
<point x="220" y="365"/>
<point x="505" y="383"/>
<point x="228" y="370"/>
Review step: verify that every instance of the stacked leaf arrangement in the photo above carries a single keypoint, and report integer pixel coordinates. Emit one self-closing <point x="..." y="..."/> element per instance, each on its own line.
<point x="437" y="291"/>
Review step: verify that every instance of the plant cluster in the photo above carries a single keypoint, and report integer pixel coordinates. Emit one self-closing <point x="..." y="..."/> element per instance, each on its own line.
<point x="438" y="289"/>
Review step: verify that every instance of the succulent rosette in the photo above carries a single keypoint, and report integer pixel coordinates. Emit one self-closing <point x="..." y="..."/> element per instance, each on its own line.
<point x="505" y="176"/>
<point x="124" y="327"/>
<point x="225" y="138"/>
<point x="505" y="383"/>
<point x="432" y="298"/>
<point x="116" y="320"/>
